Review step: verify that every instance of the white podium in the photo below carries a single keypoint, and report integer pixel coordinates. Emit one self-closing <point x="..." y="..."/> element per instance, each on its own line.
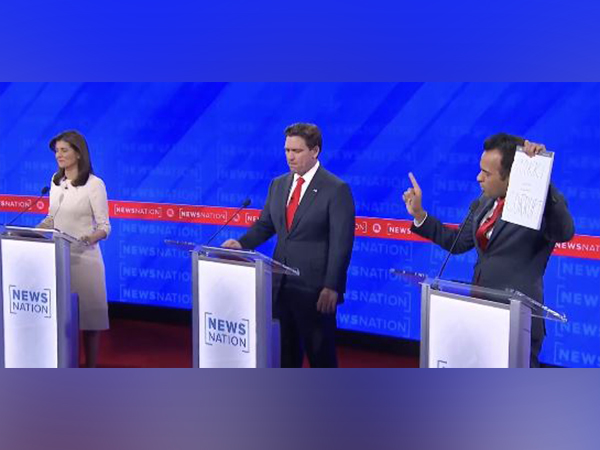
<point x="232" y="315"/>
<point x="468" y="326"/>
<point x="233" y="326"/>
<point x="39" y="317"/>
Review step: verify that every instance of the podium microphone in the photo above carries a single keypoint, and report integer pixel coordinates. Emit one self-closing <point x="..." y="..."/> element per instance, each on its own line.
<point x="45" y="190"/>
<point x="244" y="205"/>
<point x="472" y="209"/>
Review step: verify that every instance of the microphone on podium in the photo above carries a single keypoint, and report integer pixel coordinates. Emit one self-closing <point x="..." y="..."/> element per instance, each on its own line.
<point x="472" y="209"/>
<point x="45" y="190"/>
<point x="246" y="203"/>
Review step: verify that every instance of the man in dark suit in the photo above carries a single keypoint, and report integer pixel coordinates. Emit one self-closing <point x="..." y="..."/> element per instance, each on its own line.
<point x="509" y="255"/>
<point x="312" y="213"/>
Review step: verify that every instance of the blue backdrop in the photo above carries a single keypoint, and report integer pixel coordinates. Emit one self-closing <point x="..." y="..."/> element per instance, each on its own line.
<point x="217" y="143"/>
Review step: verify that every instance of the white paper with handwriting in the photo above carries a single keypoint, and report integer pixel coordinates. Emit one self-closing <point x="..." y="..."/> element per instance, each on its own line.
<point x="528" y="189"/>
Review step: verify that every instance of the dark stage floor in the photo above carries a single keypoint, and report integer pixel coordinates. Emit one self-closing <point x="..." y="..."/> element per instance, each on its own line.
<point x="132" y="343"/>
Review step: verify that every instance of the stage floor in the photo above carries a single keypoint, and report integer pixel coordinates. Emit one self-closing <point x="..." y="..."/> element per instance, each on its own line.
<point x="142" y="344"/>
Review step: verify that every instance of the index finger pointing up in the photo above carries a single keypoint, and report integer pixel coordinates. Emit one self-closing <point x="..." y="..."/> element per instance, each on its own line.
<point x="413" y="180"/>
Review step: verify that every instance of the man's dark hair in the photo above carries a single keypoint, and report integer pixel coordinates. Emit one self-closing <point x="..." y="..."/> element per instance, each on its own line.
<point x="309" y="132"/>
<point x="507" y="145"/>
<point x="76" y="140"/>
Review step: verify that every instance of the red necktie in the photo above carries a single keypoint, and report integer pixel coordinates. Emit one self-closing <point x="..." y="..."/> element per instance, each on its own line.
<point x="294" y="202"/>
<point x="487" y="225"/>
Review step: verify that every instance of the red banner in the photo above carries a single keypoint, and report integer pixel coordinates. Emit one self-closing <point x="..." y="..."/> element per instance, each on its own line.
<point x="586" y="247"/>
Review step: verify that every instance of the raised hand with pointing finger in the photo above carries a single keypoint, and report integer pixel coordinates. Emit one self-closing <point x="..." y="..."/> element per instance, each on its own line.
<point x="413" y="199"/>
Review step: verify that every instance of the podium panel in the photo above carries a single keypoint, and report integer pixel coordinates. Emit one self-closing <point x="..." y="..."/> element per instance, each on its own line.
<point x="233" y="326"/>
<point x="467" y="333"/>
<point x="39" y="316"/>
<point x="470" y="326"/>
<point x="226" y="315"/>
<point x="29" y="307"/>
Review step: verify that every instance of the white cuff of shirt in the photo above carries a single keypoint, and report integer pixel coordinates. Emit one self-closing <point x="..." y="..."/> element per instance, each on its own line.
<point x="420" y="224"/>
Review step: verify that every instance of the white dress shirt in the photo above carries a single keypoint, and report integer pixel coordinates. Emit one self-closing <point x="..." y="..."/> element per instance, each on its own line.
<point x="486" y="217"/>
<point x="308" y="176"/>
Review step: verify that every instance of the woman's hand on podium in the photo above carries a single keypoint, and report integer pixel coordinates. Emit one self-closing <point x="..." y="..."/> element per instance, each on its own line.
<point x="47" y="223"/>
<point x="232" y="243"/>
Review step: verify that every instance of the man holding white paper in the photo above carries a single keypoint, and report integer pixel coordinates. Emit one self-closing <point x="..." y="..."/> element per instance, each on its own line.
<point x="528" y="188"/>
<point x="509" y="255"/>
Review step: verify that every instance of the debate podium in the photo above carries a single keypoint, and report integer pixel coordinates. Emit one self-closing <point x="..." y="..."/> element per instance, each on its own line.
<point x="468" y="326"/>
<point x="233" y="326"/>
<point x="39" y="317"/>
<point x="232" y="315"/>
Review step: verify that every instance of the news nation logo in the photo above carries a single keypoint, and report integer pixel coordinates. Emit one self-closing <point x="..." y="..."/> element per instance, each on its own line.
<point x="227" y="332"/>
<point x="30" y="302"/>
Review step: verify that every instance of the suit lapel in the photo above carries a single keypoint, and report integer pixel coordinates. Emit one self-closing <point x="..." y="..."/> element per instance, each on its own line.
<point x="287" y="186"/>
<point x="309" y="196"/>
<point x="500" y="225"/>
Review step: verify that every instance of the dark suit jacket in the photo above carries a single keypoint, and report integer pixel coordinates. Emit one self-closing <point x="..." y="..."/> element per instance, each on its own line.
<point x="320" y="240"/>
<point x="516" y="257"/>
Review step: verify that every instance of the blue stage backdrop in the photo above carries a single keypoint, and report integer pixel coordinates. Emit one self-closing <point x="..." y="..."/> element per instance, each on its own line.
<point x="215" y="144"/>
